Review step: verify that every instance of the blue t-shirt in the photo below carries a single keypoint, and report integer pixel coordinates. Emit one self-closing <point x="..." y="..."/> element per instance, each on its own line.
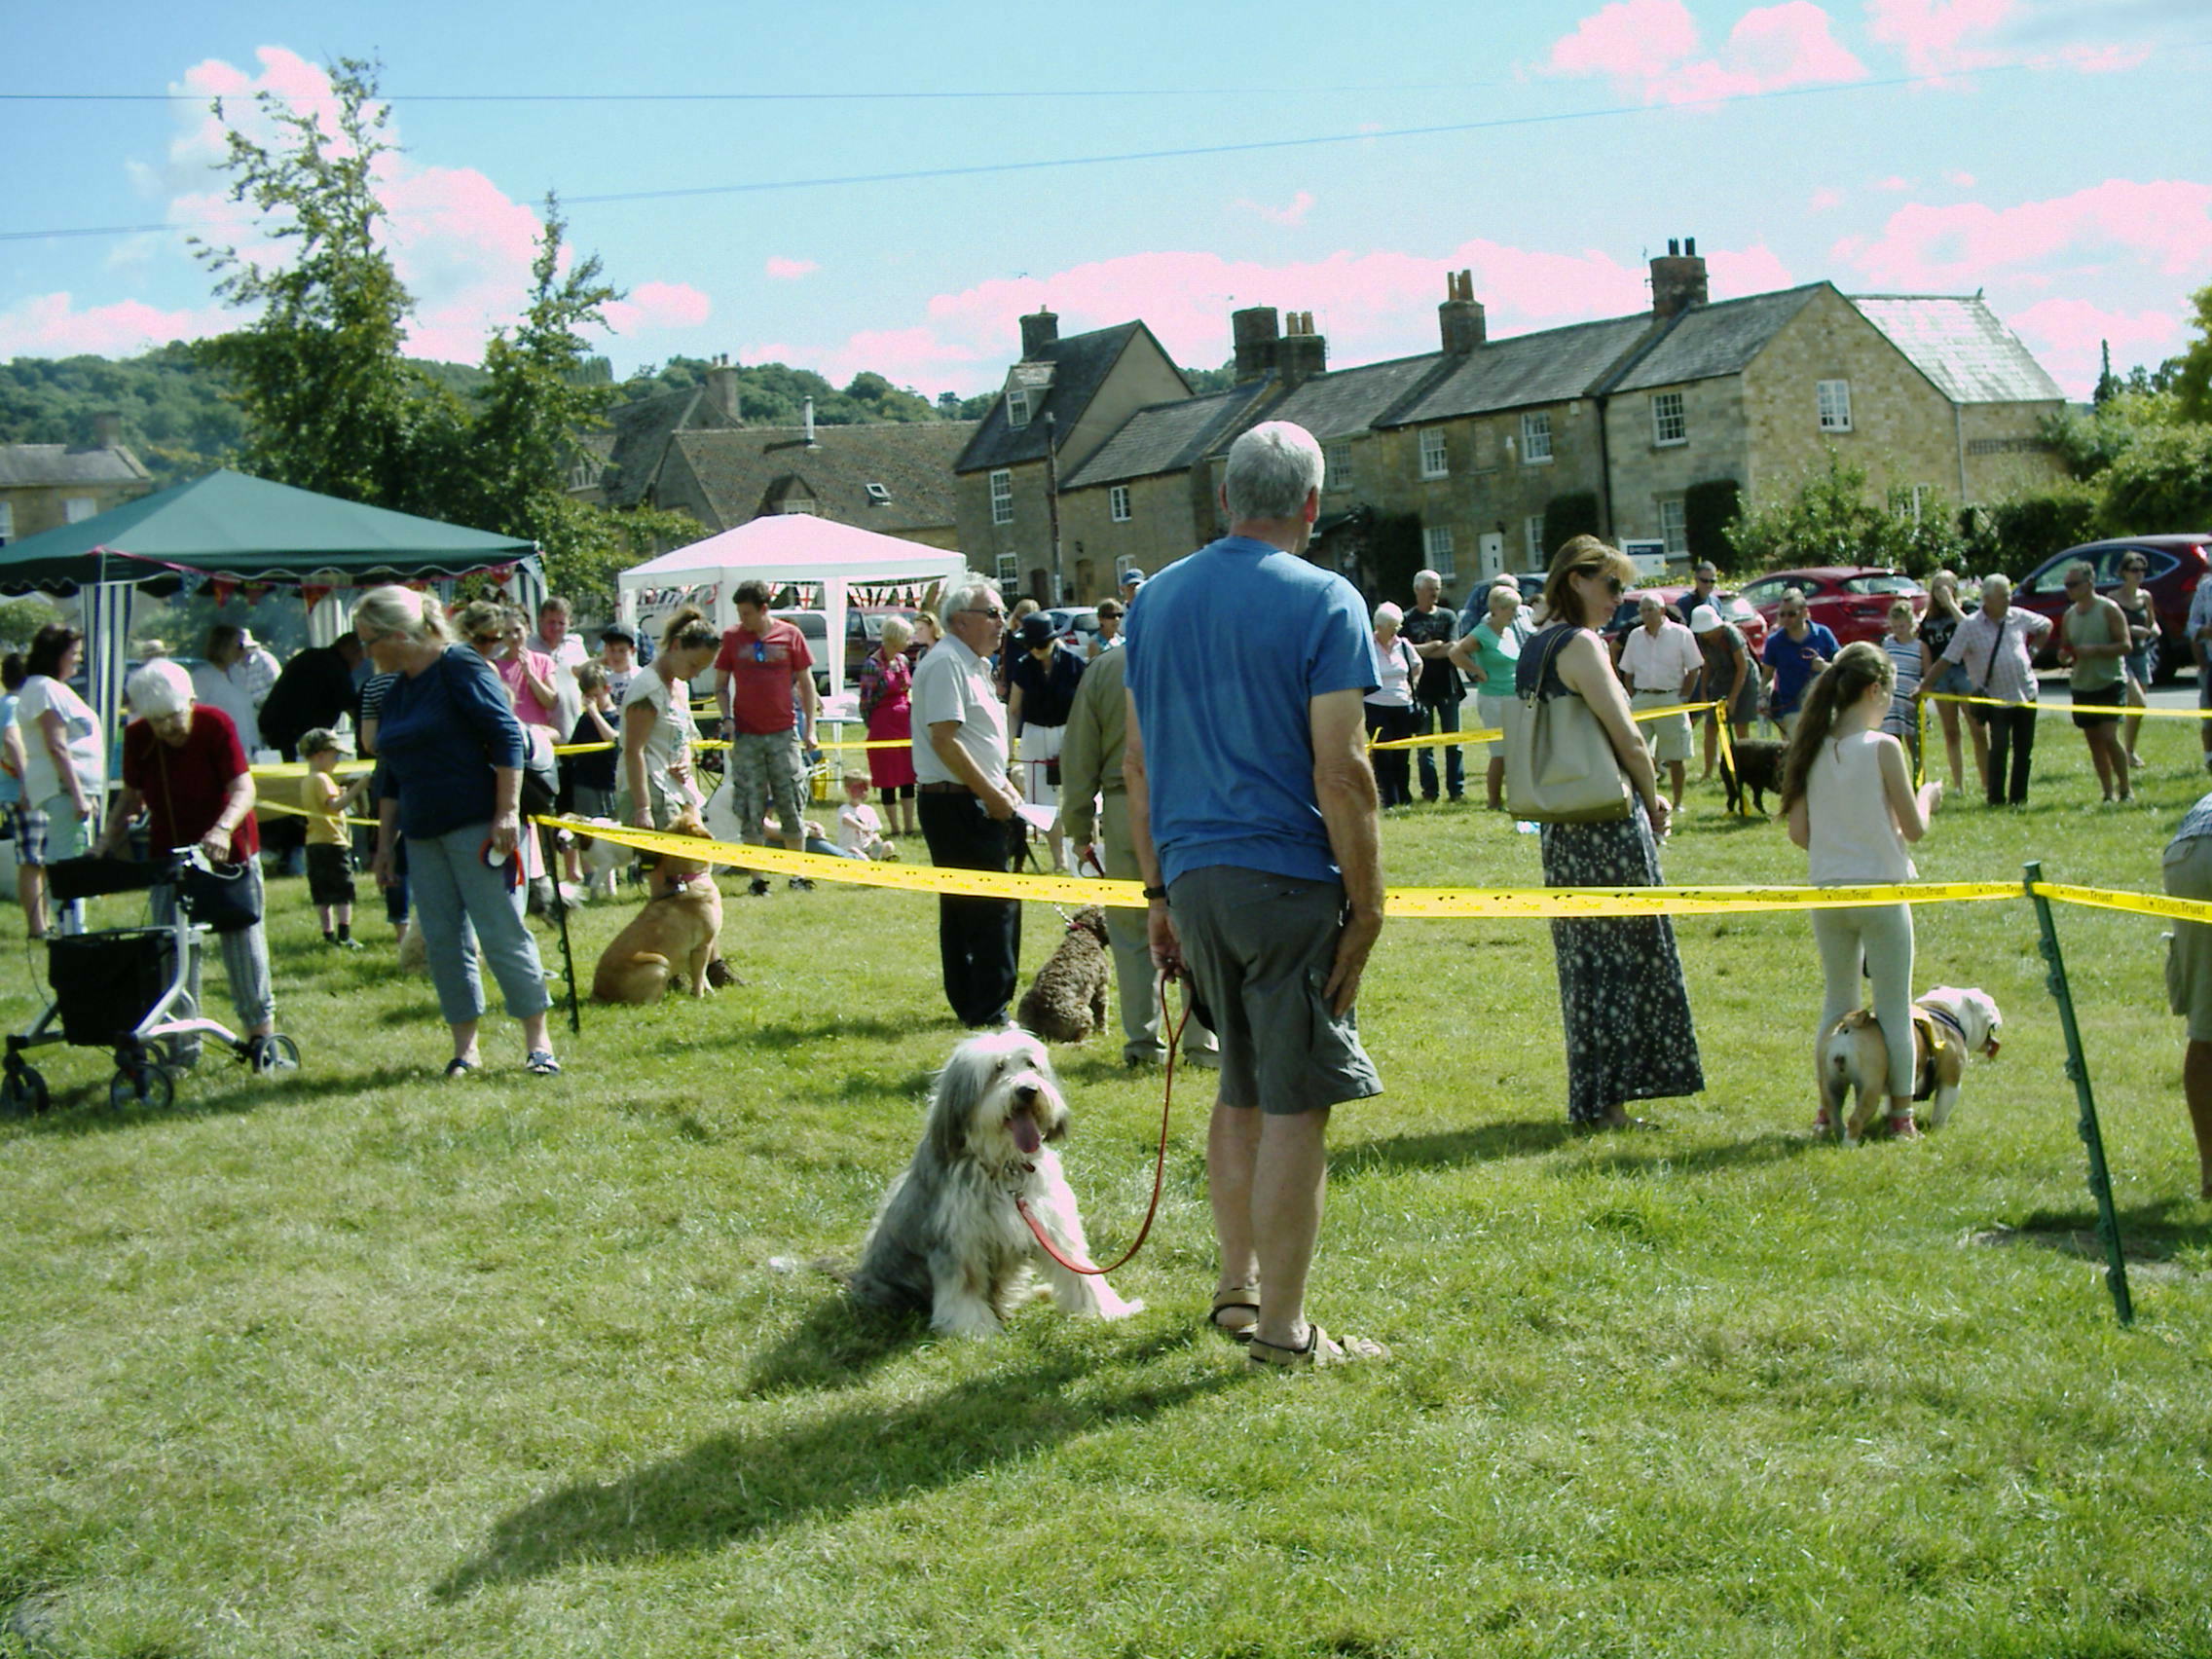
<point x="439" y="734"/>
<point x="1227" y="649"/>
<point x="1793" y="663"/>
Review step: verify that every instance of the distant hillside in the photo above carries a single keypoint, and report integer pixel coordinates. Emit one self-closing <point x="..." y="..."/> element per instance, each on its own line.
<point x="178" y="419"/>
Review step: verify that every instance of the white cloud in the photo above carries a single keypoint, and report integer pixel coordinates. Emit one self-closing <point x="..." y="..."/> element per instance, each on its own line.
<point x="49" y="325"/>
<point x="1651" y="50"/>
<point x="1294" y="214"/>
<point x="789" y="270"/>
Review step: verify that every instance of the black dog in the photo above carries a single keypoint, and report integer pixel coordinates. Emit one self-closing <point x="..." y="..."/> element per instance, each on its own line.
<point x="1758" y="768"/>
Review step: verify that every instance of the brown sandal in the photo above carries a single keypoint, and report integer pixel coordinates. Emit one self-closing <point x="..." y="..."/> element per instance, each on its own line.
<point x="1244" y="1298"/>
<point x="1321" y="1349"/>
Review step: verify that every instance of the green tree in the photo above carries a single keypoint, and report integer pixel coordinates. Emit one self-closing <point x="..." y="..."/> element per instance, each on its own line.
<point x="1832" y="520"/>
<point x="2193" y="377"/>
<point x="2162" y="483"/>
<point x="329" y="402"/>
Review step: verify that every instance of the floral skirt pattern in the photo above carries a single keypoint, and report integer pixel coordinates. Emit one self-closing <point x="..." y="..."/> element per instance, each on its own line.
<point x="1621" y="995"/>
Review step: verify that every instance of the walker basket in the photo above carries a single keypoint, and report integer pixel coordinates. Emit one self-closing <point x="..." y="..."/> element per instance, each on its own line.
<point x="105" y="983"/>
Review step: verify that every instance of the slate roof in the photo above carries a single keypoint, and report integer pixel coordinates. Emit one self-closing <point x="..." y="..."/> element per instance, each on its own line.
<point x="748" y="471"/>
<point x="1961" y="346"/>
<point x="1550" y="366"/>
<point x="1169" y="437"/>
<point x="31" y="466"/>
<point x="1706" y="342"/>
<point x="1346" y="402"/>
<point x="1080" y="365"/>
<point x="642" y="433"/>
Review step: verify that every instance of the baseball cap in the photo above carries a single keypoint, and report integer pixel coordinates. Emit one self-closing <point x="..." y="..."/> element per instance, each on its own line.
<point x="1132" y="574"/>
<point x="617" y="631"/>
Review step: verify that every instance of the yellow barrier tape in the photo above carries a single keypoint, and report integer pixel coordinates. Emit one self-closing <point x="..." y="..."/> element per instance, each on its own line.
<point x="1492" y="734"/>
<point x="2054" y="705"/>
<point x="262" y="803"/>
<point x="2142" y="903"/>
<point x="294" y="771"/>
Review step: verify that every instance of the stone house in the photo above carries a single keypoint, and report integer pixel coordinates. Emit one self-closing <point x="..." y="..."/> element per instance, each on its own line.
<point x="1058" y="406"/>
<point x="43" y="485"/>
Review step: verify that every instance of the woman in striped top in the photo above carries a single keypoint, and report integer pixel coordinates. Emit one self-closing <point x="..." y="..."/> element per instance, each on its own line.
<point x="1902" y="644"/>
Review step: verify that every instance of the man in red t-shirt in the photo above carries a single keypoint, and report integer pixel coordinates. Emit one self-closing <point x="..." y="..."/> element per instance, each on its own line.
<point x="763" y="665"/>
<point x="185" y="768"/>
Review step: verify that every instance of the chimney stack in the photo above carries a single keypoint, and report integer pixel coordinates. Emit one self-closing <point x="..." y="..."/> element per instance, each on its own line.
<point x="1301" y="353"/>
<point x="1677" y="279"/>
<point x="107" y="430"/>
<point x="1460" y="318"/>
<point x="1254" y="332"/>
<point x="806" y="422"/>
<point x="721" y="389"/>
<point x="1038" y="331"/>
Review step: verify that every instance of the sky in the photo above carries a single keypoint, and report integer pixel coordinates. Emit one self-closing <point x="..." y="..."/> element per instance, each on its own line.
<point x="1168" y="162"/>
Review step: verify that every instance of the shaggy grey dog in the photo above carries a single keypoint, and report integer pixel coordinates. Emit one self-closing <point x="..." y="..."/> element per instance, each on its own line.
<point x="1067" y="1000"/>
<point x="949" y="1238"/>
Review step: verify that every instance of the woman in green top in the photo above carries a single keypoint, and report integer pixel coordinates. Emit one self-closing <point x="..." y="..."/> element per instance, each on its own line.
<point x="1486" y="654"/>
<point x="2095" y="641"/>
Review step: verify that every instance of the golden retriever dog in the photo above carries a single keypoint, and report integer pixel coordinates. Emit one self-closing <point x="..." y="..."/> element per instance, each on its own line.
<point x="1949" y="1026"/>
<point x="673" y="934"/>
<point x="949" y="1240"/>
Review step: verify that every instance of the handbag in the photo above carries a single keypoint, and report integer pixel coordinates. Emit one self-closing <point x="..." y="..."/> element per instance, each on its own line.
<point x="541" y="776"/>
<point x="1560" y="765"/>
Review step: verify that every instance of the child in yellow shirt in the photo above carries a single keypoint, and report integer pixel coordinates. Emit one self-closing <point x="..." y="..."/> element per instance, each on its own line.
<point x="330" y="841"/>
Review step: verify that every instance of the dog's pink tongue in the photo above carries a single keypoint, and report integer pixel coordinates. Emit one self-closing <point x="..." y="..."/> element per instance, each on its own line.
<point x="1025" y="1135"/>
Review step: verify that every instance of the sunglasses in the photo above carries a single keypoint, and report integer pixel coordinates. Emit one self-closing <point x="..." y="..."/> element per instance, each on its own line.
<point x="484" y="639"/>
<point x="994" y="614"/>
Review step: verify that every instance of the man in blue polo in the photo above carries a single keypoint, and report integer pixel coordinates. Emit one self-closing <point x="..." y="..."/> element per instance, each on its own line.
<point x="1252" y="813"/>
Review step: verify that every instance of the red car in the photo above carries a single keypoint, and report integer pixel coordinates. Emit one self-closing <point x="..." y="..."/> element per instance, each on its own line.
<point x="1850" y="601"/>
<point x="2178" y="563"/>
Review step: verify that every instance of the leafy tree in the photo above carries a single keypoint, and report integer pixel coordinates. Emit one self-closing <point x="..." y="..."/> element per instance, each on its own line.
<point x="1708" y="510"/>
<point x="2161" y="482"/>
<point x="330" y="404"/>
<point x="2193" y="372"/>
<point x="20" y="619"/>
<point x="2019" y="532"/>
<point x="2088" y="443"/>
<point x="1832" y="520"/>
<point x="1567" y="517"/>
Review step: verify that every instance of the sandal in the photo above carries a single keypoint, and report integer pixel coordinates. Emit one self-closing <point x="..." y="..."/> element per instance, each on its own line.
<point x="1244" y="1298"/>
<point x="540" y="1062"/>
<point x="459" y="1067"/>
<point x="1321" y="1349"/>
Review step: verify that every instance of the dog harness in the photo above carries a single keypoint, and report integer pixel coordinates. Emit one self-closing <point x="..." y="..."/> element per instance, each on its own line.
<point x="1936" y="1031"/>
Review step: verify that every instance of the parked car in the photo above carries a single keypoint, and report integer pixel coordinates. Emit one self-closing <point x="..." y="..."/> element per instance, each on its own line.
<point x="2178" y="563"/>
<point x="864" y="633"/>
<point x="1733" y="607"/>
<point x="1851" y="600"/>
<point x="1075" y="624"/>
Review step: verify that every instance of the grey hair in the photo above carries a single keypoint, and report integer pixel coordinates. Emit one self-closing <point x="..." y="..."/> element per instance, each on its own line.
<point x="1272" y="470"/>
<point x="1430" y="577"/>
<point x="966" y="588"/>
<point x="896" y="631"/>
<point x="1997" y="583"/>
<point x="400" y="611"/>
<point x="161" y="687"/>
<point x="1391" y="614"/>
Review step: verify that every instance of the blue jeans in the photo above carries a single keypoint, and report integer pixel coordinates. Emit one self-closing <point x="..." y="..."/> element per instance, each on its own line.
<point x="1447" y="718"/>
<point x="461" y="901"/>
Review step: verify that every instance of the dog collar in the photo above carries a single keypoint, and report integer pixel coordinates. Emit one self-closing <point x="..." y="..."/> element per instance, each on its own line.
<point x="1948" y="1024"/>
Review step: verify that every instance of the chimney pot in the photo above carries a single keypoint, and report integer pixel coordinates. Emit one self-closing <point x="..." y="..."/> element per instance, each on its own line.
<point x="721" y="390"/>
<point x="1302" y="355"/>
<point x="1256" y="334"/>
<point x="1678" y="281"/>
<point x="107" y="430"/>
<point x="1689" y="246"/>
<point x="1040" y="329"/>
<point x="1459" y="319"/>
<point x="806" y="420"/>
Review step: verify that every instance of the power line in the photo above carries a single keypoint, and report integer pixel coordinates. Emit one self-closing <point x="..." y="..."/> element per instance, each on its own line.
<point x="1250" y="146"/>
<point x="977" y="94"/>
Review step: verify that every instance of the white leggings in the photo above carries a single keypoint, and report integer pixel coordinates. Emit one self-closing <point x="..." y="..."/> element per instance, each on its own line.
<point x="1879" y="936"/>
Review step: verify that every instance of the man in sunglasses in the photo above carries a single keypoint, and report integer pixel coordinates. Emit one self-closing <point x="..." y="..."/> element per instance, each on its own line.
<point x="1794" y="653"/>
<point x="762" y="664"/>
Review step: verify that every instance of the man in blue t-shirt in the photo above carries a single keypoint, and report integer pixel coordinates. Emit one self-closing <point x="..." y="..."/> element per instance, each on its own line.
<point x="1252" y="813"/>
<point x="1797" y="652"/>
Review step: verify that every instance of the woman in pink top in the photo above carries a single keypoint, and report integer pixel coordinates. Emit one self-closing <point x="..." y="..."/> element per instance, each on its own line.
<point x="496" y="635"/>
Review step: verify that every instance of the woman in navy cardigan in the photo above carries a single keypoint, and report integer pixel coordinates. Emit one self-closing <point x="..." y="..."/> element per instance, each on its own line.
<point x="452" y="751"/>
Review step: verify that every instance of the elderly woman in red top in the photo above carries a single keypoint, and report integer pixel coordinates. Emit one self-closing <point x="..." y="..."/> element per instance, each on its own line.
<point x="185" y="768"/>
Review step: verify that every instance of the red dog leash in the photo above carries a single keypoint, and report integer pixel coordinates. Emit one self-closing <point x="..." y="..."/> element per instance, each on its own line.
<point x="1159" y="1165"/>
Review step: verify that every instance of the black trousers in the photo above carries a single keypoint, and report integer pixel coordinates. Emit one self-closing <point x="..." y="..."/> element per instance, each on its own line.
<point x="980" y="938"/>
<point x="2012" y="738"/>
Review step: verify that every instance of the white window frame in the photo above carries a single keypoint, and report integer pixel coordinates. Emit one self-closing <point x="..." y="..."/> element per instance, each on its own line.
<point x="1336" y="470"/>
<point x="1533" y="540"/>
<point x="7" y="522"/>
<point x="1018" y="406"/>
<point x="1670" y="420"/>
<point x="1001" y="496"/>
<point x="1435" y="456"/>
<point x="1674" y="524"/>
<point x="1008" y="569"/>
<point x="801" y="505"/>
<point x="76" y="509"/>
<point x="1436" y="550"/>
<point x="1537" y="438"/>
<point x="1832" y="399"/>
<point x="1118" y="503"/>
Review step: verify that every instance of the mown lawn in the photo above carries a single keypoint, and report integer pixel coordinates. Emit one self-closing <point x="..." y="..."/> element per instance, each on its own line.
<point x="360" y="1362"/>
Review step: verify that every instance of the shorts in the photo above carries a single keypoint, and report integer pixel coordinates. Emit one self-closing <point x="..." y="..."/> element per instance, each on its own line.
<point x="50" y="832"/>
<point x="1951" y="679"/>
<point x="1669" y="736"/>
<point x="1260" y="948"/>
<point x="2188" y="948"/>
<point x="1490" y="711"/>
<point x="1040" y="757"/>
<point x="2138" y="666"/>
<point x="2103" y="695"/>
<point x="330" y="874"/>
<point x="591" y="800"/>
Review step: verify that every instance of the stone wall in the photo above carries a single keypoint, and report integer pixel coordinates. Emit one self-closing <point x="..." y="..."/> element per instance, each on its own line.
<point x="1646" y="472"/>
<point x="1489" y="487"/>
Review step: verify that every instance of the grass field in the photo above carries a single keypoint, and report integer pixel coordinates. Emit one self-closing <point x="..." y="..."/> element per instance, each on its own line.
<point x="357" y="1361"/>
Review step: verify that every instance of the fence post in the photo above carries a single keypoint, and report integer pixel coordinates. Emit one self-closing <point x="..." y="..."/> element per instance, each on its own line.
<point x="2078" y="1068"/>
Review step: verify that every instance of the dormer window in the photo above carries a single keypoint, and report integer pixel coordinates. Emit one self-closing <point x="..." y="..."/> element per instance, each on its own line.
<point x="1018" y="406"/>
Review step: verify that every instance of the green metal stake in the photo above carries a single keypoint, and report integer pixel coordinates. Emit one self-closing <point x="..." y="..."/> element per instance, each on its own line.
<point x="2078" y="1068"/>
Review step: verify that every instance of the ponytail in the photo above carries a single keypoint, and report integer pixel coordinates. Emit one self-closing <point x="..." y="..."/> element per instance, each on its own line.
<point x="1839" y="686"/>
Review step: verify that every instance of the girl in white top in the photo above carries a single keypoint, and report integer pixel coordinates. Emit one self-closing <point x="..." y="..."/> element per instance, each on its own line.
<point x="1851" y="805"/>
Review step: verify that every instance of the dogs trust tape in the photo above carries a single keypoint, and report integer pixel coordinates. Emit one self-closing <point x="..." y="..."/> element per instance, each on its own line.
<point x="1405" y="903"/>
<point x="1492" y="734"/>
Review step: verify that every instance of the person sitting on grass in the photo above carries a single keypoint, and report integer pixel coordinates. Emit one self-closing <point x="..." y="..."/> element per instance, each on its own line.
<point x="860" y="831"/>
<point x="330" y="840"/>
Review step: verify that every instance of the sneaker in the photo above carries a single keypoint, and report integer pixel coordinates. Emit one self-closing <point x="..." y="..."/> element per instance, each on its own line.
<point x="348" y="944"/>
<point x="758" y="887"/>
<point x="801" y="884"/>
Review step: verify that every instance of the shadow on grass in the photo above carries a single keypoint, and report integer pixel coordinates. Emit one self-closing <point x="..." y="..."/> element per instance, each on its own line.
<point x="735" y="1486"/>
<point x="84" y="1110"/>
<point x="1642" y="1154"/>
<point x="792" y="1033"/>
<point x="1481" y="1144"/>
<point x="2150" y="1233"/>
<point x="837" y="1345"/>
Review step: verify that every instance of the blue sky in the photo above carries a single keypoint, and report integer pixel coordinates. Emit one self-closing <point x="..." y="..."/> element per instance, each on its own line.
<point x="2053" y="154"/>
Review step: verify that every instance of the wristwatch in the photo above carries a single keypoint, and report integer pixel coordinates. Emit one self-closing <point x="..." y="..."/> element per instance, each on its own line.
<point x="1154" y="894"/>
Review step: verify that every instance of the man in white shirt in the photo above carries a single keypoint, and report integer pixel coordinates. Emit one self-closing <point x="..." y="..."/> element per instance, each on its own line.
<point x="965" y="801"/>
<point x="1661" y="663"/>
